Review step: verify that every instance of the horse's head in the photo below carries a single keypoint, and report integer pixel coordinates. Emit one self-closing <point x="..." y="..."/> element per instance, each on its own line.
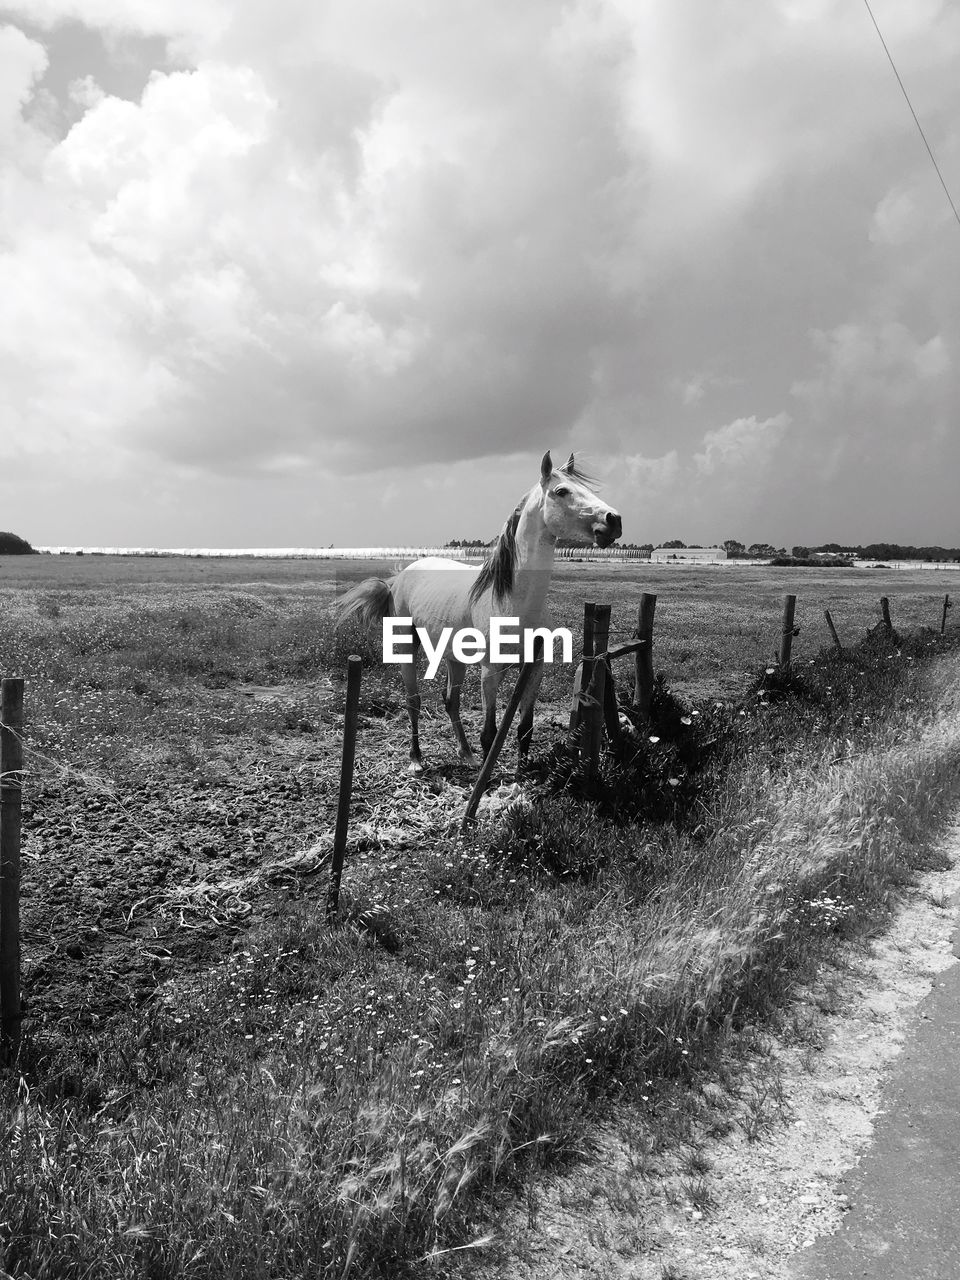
<point x="572" y="510"/>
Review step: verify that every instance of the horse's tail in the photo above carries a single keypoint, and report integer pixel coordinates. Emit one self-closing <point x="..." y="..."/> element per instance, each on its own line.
<point x="369" y="602"/>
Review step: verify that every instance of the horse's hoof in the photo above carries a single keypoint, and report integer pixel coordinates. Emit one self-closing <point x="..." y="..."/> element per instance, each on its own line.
<point x="470" y="760"/>
<point x="415" y="768"/>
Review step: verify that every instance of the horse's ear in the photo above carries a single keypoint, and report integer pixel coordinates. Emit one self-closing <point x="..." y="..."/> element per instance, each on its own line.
<point x="568" y="466"/>
<point x="546" y="467"/>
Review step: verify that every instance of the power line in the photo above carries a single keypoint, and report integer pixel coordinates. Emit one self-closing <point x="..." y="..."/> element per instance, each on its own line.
<point x="913" y="113"/>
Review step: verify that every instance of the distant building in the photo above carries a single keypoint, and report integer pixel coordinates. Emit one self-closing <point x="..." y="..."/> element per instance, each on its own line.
<point x="695" y="555"/>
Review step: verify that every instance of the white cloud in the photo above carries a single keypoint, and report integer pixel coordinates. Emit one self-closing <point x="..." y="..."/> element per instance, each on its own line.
<point x="22" y="63"/>
<point x="84" y="92"/>
<point x="651" y="475"/>
<point x="410" y="240"/>
<point x="745" y="444"/>
<point x="896" y="218"/>
<point x="198" y="22"/>
<point x="875" y="361"/>
<point x="694" y="389"/>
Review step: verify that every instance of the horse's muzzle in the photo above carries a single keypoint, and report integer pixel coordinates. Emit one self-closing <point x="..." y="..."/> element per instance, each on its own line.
<point x="608" y="532"/>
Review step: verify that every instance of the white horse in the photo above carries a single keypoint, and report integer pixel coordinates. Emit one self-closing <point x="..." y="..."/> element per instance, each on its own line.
<point x="513" y="582"/>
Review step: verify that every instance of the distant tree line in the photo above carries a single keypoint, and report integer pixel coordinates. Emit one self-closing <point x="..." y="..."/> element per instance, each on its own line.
<point x="765" y="550"/>
<point x="11" y="545"/>
<point x="755" y="551"/>
<point x="890" y="551"/>
<point x="870" y="551"/>
<point x="734" y="549"/>
<point x="479" y="543"/>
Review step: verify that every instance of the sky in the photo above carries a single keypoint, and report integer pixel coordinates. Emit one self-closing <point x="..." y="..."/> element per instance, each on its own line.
<point x="339" y="271"/>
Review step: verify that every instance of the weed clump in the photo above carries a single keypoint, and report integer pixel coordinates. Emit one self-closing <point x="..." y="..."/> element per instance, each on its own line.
<point x="660" y="770"/>
<point x="563" y="838"/>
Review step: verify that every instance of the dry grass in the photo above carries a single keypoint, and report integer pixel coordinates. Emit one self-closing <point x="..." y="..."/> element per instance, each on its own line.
<point x="312" y="1103"/>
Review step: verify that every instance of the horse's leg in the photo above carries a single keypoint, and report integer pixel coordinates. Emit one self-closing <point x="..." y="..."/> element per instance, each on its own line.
<point x="409" y="671"/>
<point x="525" y="727"/>
<point x="489" y="684"/>
<point x="451" y="700"/>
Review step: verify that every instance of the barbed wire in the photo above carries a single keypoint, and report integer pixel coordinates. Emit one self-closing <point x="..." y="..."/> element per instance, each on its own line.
<point x="68" y="772"/>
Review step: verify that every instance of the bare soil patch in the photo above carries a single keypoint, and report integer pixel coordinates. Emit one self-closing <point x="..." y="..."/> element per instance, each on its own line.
<point x="127" y="884"/>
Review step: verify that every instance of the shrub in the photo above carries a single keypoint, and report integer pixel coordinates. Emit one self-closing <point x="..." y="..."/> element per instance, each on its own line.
<point x="11" y="545"/>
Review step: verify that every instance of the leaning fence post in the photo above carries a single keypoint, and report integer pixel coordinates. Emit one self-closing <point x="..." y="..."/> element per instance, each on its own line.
<point x="354" y="672"/>
<point x="496" y="746"/>
<point x="643" y="658"/>
<point x="787" y="631"/>
<point x="833" y="631"/>
<point x="885" y="611"/>
<point x="592" y="724"/>
<point x="947" y="604"/>
<point x="11" y="774"/>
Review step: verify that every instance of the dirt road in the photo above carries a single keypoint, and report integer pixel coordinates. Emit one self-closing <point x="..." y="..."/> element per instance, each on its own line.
<point x="905" y="1191"/>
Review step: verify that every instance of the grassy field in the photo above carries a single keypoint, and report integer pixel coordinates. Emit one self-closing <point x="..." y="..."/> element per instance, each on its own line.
<point x="214" y="1084"/>
<point x="715" y="624"/>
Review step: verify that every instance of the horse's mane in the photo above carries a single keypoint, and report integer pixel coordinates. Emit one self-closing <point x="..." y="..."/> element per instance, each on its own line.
<point x="498" y="568"/>
<point x="575" y="473"/>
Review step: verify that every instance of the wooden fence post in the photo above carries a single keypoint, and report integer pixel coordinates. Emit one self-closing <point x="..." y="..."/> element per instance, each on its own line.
<point x="592" y="725"/>
<point x="787" y="631"/>
<point x="573" y="728"/>
<point x="496" y="746"/>
<point x="885" y="611"/>
<point x="833" y="631"/>
<point x="611" y="709"/>
<point x="643" y="659"/>
<point x="354" y="673"/>
<point x="943" y="621"/>
<point x="11" y="774"/>
<point x="580" y="680"/>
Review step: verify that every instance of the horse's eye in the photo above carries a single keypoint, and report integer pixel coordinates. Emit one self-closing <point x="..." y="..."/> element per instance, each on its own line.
<point x="560" y="492"/>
